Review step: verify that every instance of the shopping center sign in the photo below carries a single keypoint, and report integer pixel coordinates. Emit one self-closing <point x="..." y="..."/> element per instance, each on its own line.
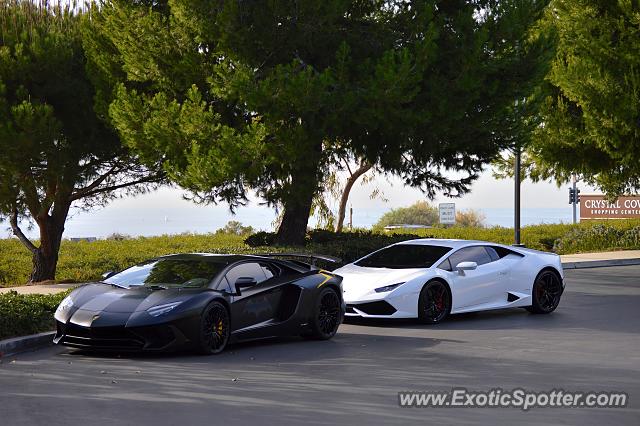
<point x="597" y="207"/>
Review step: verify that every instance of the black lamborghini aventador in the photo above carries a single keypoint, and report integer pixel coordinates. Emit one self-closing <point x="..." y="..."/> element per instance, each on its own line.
<point x="201" y="302"/>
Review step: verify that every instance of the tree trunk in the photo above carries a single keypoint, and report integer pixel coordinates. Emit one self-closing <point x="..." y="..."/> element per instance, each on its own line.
<point x="297" y="205"/>
<point x="45" y="257"/>
<point x="364" y="168"/>
<point x="294" y="220"/>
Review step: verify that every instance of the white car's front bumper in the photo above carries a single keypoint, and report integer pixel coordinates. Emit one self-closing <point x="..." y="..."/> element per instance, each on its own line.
<point x="392" y="306"/>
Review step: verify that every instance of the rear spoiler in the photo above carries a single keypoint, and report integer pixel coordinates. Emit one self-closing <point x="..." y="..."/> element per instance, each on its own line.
<point x="311" y="257"/>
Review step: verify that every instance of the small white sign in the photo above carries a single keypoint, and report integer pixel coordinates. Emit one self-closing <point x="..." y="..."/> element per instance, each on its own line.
<point x="447" y="213"/>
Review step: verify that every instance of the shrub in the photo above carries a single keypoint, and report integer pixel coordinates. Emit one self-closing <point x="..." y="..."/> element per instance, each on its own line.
<point x="595" y="238"/>
<point x="261" y="238"/>
<point x="347" y="246"/>
<point x="420" y="213"/>
<point x="84" y="261"/>
<point x="470" y="218"/>
<point x="233" y="227"/>
<point x="24" y="314"/>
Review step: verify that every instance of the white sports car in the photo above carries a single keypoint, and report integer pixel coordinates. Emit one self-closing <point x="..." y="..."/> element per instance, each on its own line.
<point x="430" y="278"/>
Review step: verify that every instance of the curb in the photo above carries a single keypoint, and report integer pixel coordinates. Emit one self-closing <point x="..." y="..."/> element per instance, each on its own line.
<point x="17" y="345"/>
<point x="600" y="263"/>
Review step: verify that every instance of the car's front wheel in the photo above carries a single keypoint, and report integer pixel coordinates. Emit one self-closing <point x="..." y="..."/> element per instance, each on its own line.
<point x="546" y="292"/>
<point x="434" y="302"/>
<point x="214" y="329"/>
<point x="326" y="318"/>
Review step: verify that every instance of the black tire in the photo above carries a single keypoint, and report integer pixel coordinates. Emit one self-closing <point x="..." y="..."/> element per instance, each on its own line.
<point x="326" y="316"/>
<point x="545" y="293"/>
<point x="434" y="302"/>
<point x="214" y="329"/>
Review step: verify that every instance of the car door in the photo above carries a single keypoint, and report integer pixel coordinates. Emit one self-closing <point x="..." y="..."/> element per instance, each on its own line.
<point x="474" y="287"/>
<point x="503" y="268"/>
<point x="259" y="303"/>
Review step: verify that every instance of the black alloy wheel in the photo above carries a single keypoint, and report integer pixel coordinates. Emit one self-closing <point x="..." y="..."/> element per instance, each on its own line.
<point x="546" y="292"/>
<point x="327" y="316"/>
<point x="434" y="303"/>
<point x="214" y="328"/>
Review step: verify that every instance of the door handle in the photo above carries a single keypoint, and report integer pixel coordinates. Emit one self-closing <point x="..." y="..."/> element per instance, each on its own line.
<point x="502" y="272"/>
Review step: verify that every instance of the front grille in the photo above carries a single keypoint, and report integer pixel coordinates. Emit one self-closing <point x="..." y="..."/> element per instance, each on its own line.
<point x="100" y="337"/>
<point x="373" y="308"/>
<point x="157" y="337"/>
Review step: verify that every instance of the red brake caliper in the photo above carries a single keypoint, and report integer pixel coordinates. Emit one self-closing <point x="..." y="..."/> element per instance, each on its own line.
<point x="439" y="301"/>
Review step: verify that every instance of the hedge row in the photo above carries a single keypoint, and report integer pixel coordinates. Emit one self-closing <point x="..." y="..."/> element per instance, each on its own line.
<point x="84" y="261"/>
<point x="24" y="314"/>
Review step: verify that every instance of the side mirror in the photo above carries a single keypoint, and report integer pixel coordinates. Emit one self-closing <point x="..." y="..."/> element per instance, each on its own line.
<point x="244" y="282"/>
<point x="108" y="274"/>
<point x="466" y="266"/>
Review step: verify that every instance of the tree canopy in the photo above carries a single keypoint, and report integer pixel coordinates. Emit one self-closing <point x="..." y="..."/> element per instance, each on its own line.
<point x="262" y="95"/>
<point x="592" y="113"/>
<point x="56" y="151"/>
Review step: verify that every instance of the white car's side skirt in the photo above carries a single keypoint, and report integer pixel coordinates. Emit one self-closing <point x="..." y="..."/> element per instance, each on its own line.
<point x="522" y="302"/>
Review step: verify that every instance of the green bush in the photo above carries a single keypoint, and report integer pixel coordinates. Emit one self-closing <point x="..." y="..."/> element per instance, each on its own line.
<point x="420" y="213"/>
<point x="261" y="238"/>
<point x="84" y="261"/>
<point x="594" y="238"/>
<point x="348" y="246"/>
<point x="24" y="314"/>
<point x="234" y="227"/>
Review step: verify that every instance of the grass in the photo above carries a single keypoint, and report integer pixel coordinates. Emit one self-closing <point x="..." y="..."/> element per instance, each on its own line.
<point x="84" y="261"/>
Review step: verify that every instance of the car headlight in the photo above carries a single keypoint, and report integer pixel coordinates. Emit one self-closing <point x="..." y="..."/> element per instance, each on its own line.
<point x="387" y="288"/>
<point x="66" y="303"/>
<point x="158" y="310"/>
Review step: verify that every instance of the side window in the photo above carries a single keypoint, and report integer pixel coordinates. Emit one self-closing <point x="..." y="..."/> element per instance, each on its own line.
<point x="269" y="270"/>
<point x="446" y="265"/>
<point x="503" y="252"/>
<point x="224" y="285"/>
<point x="476" y="254"/>
<point x="250" y="269"/>
<point x="493" y="254"/>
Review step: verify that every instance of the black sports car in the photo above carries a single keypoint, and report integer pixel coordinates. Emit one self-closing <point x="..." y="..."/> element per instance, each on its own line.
<point x="201" y="302"/>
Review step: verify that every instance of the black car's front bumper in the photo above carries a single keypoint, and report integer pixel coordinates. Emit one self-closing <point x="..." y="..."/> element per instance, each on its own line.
<point x="159" y="337"/>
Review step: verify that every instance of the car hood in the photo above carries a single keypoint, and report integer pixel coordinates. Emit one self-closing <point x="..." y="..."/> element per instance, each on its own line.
<point x="98" y="297"/>
<point x="359" y="281"/>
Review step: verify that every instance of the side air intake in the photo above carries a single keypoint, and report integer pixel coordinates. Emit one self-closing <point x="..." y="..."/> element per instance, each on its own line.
<point x="512" y="297"/>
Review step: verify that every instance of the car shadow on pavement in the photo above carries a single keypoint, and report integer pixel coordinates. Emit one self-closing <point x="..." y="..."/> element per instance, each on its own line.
<point x="579" y="310"/>
<point x="484" y="320"/>
<point x="291" y="349"/>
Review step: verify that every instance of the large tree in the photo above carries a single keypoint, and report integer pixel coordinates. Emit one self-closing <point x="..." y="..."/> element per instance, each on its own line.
<point x="591" y="117"/>
<point x="56" y="152"/>
<point x="232" y="95"/>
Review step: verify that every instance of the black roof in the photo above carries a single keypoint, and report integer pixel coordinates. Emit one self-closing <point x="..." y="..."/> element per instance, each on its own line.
<point x="293" y="260"/>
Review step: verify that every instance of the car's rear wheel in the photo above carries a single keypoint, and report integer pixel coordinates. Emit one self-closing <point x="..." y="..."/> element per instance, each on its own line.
<point x="326" y="318"/>
<point x="434" y="302"/>
<point x="546" y="292"/>
<point x="214" y="329"/>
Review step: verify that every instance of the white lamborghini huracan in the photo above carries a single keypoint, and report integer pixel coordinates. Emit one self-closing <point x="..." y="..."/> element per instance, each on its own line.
<point x="430" y="278"/>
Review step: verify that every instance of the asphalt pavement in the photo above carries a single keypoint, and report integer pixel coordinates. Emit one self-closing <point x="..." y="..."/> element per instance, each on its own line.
<point x="591" y="343"/>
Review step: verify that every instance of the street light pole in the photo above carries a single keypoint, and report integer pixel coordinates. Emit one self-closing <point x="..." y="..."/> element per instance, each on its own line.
<point x="575" y="198"/>
<point x="516" y="216"/>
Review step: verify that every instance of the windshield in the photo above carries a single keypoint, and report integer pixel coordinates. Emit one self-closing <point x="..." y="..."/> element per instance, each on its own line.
<point x="403" y="256"/>
<point x="168" y="273"/>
